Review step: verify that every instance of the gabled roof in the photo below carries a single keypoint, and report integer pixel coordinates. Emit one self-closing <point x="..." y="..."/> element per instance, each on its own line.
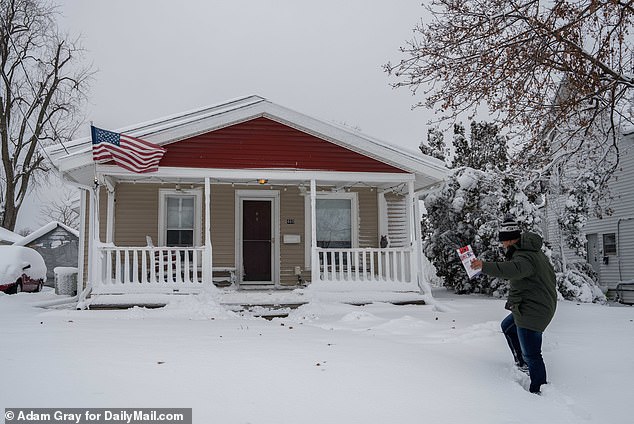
<point x="77" y="154"/>
<point x="8" y="236"/>
<point x="51" y="226"/>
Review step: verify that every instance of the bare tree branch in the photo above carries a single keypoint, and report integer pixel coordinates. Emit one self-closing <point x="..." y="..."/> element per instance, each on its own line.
<point x="43" y="86"/>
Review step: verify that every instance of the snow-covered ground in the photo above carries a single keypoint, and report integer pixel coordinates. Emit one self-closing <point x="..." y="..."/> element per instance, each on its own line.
<point x="325" y="363"/>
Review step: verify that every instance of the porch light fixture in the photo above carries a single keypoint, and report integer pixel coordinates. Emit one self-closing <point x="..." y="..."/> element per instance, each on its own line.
<point x="262" y="181"/>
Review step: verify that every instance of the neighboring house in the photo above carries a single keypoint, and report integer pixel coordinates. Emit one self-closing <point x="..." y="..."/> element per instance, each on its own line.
<point x="58" y="245"/>
<point x="8" y="237"/>
<point x="269" y="196"/>
<point x="610" y="239"/>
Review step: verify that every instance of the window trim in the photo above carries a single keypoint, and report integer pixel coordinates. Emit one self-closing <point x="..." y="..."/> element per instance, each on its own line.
<point x="354" y="211"/>
<point x="162" y="224"/>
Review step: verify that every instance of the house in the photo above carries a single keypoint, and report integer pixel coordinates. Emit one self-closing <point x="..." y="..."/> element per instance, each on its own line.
<point x="252" y="193"/>
<point x="8" y="237"/>
<point x="58" y="245"/>
<point x="610" y="240"/>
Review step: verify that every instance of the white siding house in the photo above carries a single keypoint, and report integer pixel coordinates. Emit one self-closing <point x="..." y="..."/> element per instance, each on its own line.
<point x="610" y="239"/>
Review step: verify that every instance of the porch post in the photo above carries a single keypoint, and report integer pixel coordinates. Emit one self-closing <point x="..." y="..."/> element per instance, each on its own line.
<point x="110" y="218"/>
<point x="94" y="261"/>
<point x="314" y="263"/>
<point x="423" y="283"/>
<point x="84" y="199"/>
<point x="208" y="260"/>
<point x="413" y="236"/>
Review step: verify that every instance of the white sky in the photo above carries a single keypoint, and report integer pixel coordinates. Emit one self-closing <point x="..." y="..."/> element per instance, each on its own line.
<point x="159" y="57"/>
<point x="323" y="58"/>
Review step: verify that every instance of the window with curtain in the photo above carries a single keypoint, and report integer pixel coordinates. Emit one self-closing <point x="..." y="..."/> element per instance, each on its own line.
<point x="334" y="223"/>
<point x="180" y="216"/>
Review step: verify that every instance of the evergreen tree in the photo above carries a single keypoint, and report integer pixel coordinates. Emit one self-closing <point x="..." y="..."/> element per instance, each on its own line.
<point x="435" y="146"/>
<point x="488" y="147"/>
<point x="485" y="147"/>
<point x="469" y="207"/>
<point x="460" y="145"/>
<point x="467" y="211"/>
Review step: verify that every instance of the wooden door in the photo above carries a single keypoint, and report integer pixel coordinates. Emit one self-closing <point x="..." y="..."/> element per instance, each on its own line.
<point x="256" y="240"/>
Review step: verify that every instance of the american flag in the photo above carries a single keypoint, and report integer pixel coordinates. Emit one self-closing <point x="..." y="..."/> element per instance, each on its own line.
<point x="129" y="153"/>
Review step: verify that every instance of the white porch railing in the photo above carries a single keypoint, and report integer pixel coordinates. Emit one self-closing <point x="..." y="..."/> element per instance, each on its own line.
<point x="142" y="269"/>
<point x="365" y="264"/>
<point x="175" y="269"/>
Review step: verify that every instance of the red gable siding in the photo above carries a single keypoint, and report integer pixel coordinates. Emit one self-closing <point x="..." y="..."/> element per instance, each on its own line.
<point x="263" y="143"/>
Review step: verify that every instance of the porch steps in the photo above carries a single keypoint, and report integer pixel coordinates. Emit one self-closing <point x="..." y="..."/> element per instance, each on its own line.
<point x="259" y="306"/>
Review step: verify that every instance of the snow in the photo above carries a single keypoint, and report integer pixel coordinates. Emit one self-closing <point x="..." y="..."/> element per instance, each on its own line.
<point x="9" y="236"/>
<point x="14" y="258"/>
<point x="327" y="362"/>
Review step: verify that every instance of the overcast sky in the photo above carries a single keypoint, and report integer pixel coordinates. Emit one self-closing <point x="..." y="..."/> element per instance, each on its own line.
<point x="322" y="58"/>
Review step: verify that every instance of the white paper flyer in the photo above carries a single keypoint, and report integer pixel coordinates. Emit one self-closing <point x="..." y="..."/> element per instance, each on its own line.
<point x="466" y="256"/>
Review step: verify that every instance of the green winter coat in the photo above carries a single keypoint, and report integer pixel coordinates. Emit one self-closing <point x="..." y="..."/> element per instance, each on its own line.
<point x="533" y="294"/>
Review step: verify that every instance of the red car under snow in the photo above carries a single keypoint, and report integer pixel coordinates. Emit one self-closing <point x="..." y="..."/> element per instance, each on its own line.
<point x="21" y="269"/>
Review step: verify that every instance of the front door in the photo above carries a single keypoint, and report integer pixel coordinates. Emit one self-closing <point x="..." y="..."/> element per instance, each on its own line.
<point x="257" y="241"/>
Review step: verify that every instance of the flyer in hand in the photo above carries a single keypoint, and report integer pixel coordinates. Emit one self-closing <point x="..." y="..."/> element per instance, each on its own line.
<point x="466" y="256"/>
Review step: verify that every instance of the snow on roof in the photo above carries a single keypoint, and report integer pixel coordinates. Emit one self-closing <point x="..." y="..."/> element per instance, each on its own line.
<point x="51" y="226"/>
<point x="10" y="236"/>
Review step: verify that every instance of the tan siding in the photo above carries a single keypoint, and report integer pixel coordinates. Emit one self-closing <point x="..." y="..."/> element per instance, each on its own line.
<point x="136" y="213"/>
<point x="291" y="255"/>
<point x="223" y="224"/>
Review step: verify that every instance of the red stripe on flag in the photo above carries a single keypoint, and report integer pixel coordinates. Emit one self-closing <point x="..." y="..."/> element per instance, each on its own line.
<point x="133" y="154"/>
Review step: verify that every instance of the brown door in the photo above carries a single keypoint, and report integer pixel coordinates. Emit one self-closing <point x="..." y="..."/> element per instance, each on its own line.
<point x="256" y="240"/>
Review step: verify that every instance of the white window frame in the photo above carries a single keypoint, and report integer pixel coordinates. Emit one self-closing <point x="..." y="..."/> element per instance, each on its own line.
<point x="162" y="224"/>
<point x="354" y="211"/>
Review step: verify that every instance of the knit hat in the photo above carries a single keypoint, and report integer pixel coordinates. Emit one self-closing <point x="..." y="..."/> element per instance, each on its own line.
<point x="509" y="229"/>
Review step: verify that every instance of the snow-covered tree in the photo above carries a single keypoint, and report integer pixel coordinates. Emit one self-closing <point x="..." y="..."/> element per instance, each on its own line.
<point x="461" y="146"/>
<point x="488" y="146"/>
<point x="469" y="208"/>
<point x="466" y="211"/>
<point x="535" y="65"/>
<point x="435" y="146"/>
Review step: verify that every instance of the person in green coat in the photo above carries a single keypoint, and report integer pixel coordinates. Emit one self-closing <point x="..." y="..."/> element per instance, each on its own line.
<point x="532" y="297"/>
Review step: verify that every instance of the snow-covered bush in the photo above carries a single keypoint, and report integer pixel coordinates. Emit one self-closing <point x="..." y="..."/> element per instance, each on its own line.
<point x="578" y="282"/>
<point x="466" y="211"/>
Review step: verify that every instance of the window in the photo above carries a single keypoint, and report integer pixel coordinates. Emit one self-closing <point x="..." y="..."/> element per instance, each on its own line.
<point x="180" y="221"/>
<point x="334" y="223"/>
<point x="180" y="217"/>
<point x="609" y="244"/>
<point x="337" y="222"/>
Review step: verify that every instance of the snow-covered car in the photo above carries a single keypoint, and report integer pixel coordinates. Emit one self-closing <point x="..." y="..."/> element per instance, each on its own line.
<point x="21" y="269"/>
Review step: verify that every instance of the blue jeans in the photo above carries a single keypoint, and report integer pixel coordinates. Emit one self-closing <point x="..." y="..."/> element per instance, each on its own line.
<point x="510" y="332"/>
<point x="526" y="346"/>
